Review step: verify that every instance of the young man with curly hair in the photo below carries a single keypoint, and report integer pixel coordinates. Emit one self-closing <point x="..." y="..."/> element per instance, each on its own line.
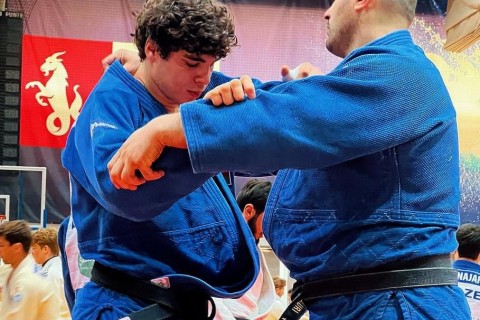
<point x="163" y="250"/>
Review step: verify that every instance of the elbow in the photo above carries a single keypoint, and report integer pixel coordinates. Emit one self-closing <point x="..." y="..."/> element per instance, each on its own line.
<point x="131" y="206"/>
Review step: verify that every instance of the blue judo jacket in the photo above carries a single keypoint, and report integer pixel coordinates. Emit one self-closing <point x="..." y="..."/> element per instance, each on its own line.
<point x="184" y="228"/>
<point x="371" y="152"/>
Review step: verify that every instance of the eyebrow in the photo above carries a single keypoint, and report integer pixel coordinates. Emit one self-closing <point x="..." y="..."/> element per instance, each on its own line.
<point x="193" y="57"/>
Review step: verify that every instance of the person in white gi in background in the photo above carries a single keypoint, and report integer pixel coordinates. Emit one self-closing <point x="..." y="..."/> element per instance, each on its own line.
<point x="25" y="295"/>
<point x="45" y="251"/>
<point x="5" y="270"/>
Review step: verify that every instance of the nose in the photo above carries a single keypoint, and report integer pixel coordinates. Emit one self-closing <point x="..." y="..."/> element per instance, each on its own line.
<point x="203" y="76"/>
<point x="327" y="14"/>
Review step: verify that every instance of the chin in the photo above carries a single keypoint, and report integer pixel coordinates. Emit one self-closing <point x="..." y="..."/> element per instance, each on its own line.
<point x="329" y="47"/>
<point x="193" y="95"/>
<point x="334" y="51"/>
<point x="186" y="99"/>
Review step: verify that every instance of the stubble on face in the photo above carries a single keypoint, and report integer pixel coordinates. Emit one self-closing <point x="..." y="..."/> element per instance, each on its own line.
<point x="341" y="28"/>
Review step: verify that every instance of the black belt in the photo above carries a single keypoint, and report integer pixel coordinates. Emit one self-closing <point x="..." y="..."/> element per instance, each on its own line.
<point x="423" y="272"/>
<point x="167" y="303"/>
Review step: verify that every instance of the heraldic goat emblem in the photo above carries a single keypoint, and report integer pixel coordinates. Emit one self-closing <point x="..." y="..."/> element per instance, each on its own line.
<point x="55" y="91"/>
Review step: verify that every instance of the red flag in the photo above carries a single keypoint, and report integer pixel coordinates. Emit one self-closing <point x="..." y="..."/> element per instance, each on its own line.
<point x="57" y="76"/>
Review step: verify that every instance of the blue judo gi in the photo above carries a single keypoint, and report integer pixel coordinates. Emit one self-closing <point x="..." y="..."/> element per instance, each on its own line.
<point x="373" y="154"/>
<point x="184" y="230"/>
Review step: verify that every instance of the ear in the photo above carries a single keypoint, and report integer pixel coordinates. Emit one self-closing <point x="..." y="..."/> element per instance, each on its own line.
<point x="150" y="48"/>
<point x="363" y="4"/>
<point x="248" y="211"/>
<point x="18" y="247"/>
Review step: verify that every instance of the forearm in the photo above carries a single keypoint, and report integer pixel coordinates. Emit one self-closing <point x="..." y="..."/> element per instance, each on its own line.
<point x="311" y="123"/>
<point x="167" y="131"/>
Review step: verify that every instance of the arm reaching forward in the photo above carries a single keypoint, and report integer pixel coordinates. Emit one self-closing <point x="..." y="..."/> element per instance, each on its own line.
<point x="131" y="166"/>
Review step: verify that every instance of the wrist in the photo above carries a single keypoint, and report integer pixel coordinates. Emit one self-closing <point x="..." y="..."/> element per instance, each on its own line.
<point x="168" y="131"/>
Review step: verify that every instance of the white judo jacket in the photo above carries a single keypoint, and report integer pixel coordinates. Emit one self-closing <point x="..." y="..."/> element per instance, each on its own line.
<point x="27" y="296"/>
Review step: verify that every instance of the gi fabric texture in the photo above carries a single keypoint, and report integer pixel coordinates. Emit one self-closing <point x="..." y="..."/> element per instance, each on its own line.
<point x="27" y="296"/>
<point x="184" y="230"/>
<point x="469" y="282"/>
<point x="373" y="154"/>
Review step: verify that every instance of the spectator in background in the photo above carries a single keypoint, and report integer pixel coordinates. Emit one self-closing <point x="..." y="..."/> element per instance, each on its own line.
<point x="252" y="199"/>
<point x="280" y="285"/>
<point x="45" y="252"/>
<point x="5" y="270"/>
<point x="258" y="300"/>
<point x="25" y="295"/>
<point x="467" y="259"/>
<point x="280" y="305"/>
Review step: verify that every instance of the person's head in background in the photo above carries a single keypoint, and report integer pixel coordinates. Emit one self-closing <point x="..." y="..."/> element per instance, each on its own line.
<point x="178" y="43"/>
<point x="468" y="237"/>
<point x="353" y="23"/>
<point x="15" y="241"/>
<point x="44" y="245"/>
<point x="252" y="199"/>
<point x="280" y="285"/>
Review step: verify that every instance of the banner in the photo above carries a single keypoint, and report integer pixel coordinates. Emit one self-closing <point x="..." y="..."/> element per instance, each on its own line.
<point x="57" y="76"/>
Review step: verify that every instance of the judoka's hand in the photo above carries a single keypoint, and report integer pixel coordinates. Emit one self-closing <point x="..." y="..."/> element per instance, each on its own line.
<point x="131" y="165"/>
<point x="301" y="71"/>
<point x="235" y="90"/>
<point x="129" y="59"/>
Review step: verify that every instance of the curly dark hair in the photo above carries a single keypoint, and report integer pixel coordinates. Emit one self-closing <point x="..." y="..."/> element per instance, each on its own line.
<point x="196" y="26"/>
